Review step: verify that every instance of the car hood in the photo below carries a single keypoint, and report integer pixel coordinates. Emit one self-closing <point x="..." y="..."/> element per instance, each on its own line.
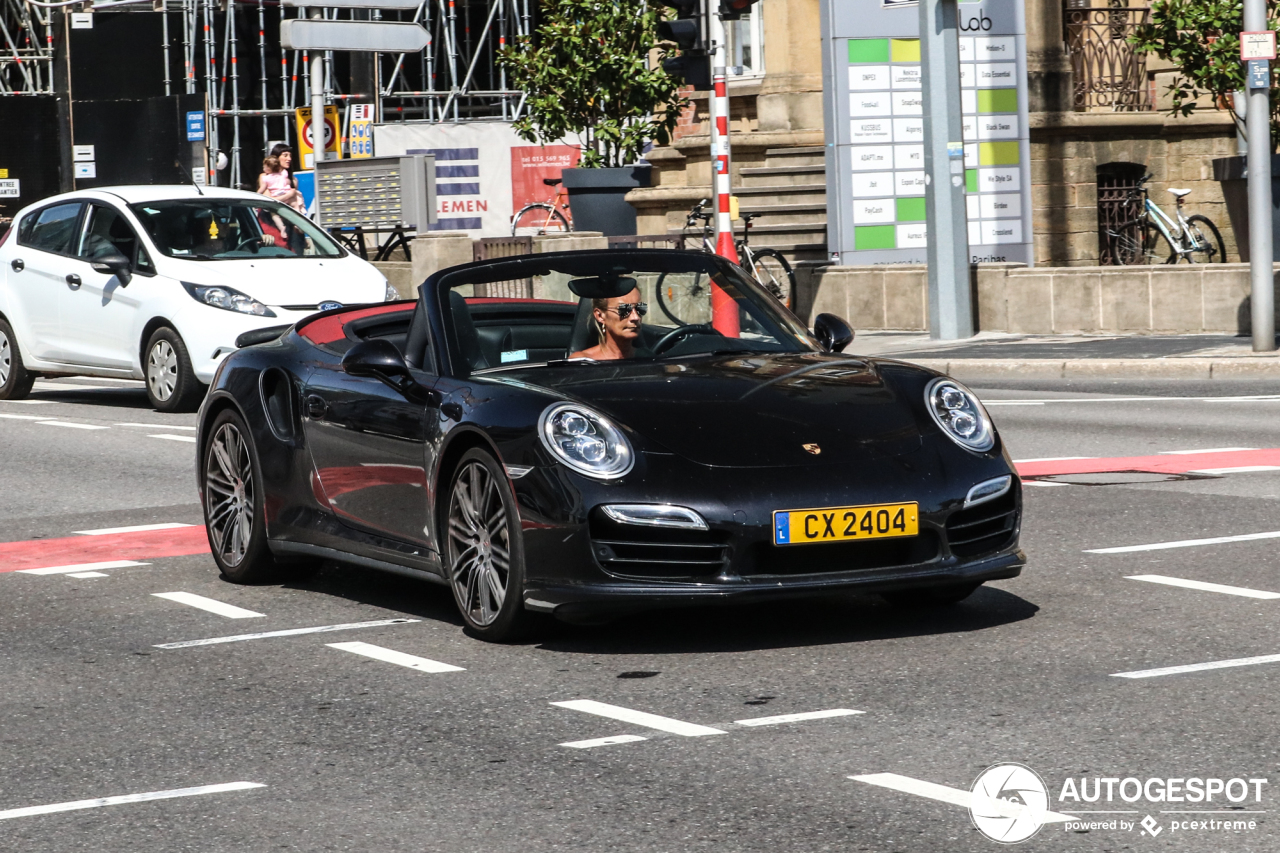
<point x="748" y="411"/>
<point x="287" y="281"/>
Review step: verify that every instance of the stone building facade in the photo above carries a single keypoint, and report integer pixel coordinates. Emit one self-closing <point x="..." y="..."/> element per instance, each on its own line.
<point x="1098" y="118"/>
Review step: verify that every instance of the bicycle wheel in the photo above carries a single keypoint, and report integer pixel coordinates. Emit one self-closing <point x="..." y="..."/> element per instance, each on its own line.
<point x="1207" y="239"/>
<point x="771" y="269"/>
<point x="684" y="299"/>
<point x="1129" y="243"/>
<point x="400" y="243"/>
<point x="534" y="220"/>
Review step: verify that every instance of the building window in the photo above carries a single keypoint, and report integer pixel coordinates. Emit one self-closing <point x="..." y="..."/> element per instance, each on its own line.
<point x="746" y="44"/>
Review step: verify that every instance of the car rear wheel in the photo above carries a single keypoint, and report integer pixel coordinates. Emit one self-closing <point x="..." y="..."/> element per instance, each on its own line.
<point x="484" y="551"/>
<point x="172" y="385"/>
<point x="931" y="596"/>
<point x="15" y="380"/>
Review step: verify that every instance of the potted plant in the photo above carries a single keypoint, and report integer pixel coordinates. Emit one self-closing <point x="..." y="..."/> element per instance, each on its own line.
<point x="1202" y="38"/>
<point x="586" y="72"/>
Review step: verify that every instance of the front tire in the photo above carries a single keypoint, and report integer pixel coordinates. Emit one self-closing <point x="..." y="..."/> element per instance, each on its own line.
<point x="538" y="219"/>
<point x="172" y="385"/>
<point x="233" y="503"/>
<point x="15" y="380"/>
<point x="484" y="550"/>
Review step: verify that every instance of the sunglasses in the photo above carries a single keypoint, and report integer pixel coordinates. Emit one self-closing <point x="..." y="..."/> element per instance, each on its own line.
<point x="624" y="309"/>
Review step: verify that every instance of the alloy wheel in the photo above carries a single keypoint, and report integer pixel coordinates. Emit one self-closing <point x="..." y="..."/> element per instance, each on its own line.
<point x="229" y="494"/>
<point x="479" y="544"/>
<point x="162" y="370"/>
<point x="6" y="359"/>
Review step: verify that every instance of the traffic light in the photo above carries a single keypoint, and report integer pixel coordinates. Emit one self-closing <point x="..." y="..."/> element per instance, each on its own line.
<point x="693" y="66"/>
<point x="732" y="10"/>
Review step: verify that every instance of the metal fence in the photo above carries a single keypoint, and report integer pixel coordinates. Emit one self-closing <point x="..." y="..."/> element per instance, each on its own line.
<point x="1108" y="74"/>
<point x="1118" y="209"/>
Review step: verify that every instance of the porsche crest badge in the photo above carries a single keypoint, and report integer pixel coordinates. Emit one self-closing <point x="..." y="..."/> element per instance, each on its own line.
<point x="812" y="448"/>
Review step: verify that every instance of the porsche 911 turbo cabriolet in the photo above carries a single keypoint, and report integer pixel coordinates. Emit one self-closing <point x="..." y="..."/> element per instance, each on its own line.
<point x="487" y="437"/>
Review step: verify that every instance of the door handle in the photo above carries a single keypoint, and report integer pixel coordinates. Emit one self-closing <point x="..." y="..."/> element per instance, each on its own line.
<point x="74" y="281"/>
<point x="17" y="265"/>
<point x="316" y="407"/>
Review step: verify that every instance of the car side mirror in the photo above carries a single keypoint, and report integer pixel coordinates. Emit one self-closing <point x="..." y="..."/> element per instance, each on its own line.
<point x="114" y="264"/>
<point x="832" y="332"/>
<point x="381" y="360"/>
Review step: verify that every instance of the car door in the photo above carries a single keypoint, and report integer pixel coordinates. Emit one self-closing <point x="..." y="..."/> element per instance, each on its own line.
<point x="98" y="310"/>
<point x="372" y="451"/>
<point x="37" y="275"/>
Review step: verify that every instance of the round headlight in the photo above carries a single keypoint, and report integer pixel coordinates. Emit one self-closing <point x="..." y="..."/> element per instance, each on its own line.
<point x="957" y="411"/>
<point x="585" y="441"/>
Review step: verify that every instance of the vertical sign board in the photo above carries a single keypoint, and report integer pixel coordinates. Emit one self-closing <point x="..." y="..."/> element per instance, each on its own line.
<point x="875" y="131"/>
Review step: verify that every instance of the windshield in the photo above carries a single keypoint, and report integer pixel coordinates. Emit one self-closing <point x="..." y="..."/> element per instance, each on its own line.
<point x="214" y="229"/>
<point x="666" y="306"/>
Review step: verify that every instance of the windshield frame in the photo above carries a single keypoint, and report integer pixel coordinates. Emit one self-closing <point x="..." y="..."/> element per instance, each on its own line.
<point x="581" y="264"/>
<point x="309" y="228"/>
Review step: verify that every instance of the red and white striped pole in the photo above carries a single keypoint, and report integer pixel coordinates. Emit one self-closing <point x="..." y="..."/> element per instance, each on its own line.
<point x="724" y="310"/>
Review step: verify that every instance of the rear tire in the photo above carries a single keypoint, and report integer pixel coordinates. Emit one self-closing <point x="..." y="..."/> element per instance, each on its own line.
<point x="930" y="596"/>
<point x="1206" y="234"/>
<point x="484" y="550"/>
<point x="535" y="220"/>
<point x="15" y="380"/>
<point x="171" y="381"/>
<point x="772" y="270"/>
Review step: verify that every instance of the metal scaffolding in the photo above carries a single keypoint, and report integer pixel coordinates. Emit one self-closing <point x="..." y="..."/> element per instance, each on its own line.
<point x="228" y="46"/>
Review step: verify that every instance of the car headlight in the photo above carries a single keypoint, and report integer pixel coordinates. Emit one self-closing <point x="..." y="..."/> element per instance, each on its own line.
<point x="957" y="411"/>
<point x="585" y="441"/>
<point x="228" y="299"/>
<point x="391" y="294"/>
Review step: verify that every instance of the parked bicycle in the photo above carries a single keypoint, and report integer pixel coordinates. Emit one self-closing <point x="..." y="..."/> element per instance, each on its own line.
<point x="767" y="266"/>
<point x="1152" y="236"/>
<point x="544" y="217"/>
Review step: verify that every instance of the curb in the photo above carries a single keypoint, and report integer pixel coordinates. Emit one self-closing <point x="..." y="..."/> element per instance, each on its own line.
<point x="1107" y="368"/>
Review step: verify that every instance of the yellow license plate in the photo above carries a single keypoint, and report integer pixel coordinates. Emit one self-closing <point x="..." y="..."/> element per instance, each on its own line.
<point x="841" y="524"/>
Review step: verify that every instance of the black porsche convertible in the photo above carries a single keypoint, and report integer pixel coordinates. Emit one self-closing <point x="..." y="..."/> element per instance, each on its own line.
<point x="735" y="455"/>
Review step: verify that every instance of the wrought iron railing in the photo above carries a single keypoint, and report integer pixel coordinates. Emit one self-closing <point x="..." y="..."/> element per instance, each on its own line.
<point x="1108" y="74"/>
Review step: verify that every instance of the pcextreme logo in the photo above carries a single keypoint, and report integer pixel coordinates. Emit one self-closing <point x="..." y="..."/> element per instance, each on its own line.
<point x="1010" y="803"/>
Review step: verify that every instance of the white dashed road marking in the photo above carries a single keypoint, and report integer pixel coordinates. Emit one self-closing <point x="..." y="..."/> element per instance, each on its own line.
<point x="1242" y="469"/>
<point x="1206" y="587"/>
<point x="137" y="528"/>
<point x="639" y="718"/>
<point x="954" y="796"/>
<point x="88" y="575"/>
<point x="796" y="718"/>
<point x="22" y="417"/>
<point x="1209" y="450"/>
<point x="289" y="632"/>
<point x="70" y="425"/>
<point x="392" y="656"/>
<point x="80" y="568"/>
<point x="211" y="605"/>
<point x="603" y="741"/>
<point x="129" y="798"/>
<point x="1197" y="667"/>
<point x="1186" y="543"/>
<point x="188" y="438"/>
<point x="158" y="426"/>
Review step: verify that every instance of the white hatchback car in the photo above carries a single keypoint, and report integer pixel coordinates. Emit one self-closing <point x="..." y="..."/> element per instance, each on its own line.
<point x="157" y="282"/>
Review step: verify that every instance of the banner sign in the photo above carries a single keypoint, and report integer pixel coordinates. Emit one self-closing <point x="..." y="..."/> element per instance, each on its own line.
<point x="874" y="114"/>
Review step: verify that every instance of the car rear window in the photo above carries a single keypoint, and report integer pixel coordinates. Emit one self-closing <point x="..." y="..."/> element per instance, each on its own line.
<point x="52" y="229"/>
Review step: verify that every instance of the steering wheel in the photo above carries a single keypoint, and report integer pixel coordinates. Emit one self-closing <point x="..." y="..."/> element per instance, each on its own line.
<point x="674" y="336"/>
<point x="248" y="241"/>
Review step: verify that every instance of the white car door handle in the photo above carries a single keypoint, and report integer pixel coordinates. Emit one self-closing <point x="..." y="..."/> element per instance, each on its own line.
<point x="74" y="281"/>
<point x="17" y="265"/>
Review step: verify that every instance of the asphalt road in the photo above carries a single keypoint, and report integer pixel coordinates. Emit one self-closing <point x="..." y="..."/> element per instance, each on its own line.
<point x="357" y="753"/>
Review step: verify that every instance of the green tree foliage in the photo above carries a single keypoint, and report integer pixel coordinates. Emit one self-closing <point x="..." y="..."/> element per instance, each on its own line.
<point x="585" y="72"/>
<point x="1202" y="38"/>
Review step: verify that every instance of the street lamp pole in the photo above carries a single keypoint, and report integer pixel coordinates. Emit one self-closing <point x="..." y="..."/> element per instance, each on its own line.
<point x="1258" y="125"/>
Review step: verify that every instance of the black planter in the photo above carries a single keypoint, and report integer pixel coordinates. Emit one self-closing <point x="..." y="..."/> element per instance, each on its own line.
<point x="597" y="198"/>
<point x="1233" y="173"/>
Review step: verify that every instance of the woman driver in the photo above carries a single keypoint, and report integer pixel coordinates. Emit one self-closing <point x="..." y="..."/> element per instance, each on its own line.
<point x="618" y="322"/>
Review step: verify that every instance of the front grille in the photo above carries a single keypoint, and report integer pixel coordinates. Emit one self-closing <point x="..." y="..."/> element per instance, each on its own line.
<point x="764" y="558"/>
<point x="656" y="552"/>
<point x="984" y="528"/>
<point x="301" y="307"/>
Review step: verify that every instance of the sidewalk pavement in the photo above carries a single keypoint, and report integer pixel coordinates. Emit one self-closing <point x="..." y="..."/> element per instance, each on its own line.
<point x="999" y="355"/>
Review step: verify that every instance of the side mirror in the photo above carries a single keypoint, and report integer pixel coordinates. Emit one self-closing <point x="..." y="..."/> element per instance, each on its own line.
<point x="381" y="360"/>
<point x="114" y="264"/>
<point x="832" y="332"/>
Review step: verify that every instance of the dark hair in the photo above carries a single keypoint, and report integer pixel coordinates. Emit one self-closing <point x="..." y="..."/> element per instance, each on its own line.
<point x="279" y="148"/>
